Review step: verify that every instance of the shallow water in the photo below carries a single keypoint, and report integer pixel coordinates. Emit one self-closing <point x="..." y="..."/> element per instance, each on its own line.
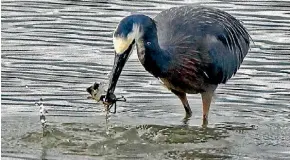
<point x="55" y="49"/>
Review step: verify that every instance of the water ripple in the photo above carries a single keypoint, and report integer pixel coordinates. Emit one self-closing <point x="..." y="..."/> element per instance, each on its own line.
<point x="55" y="49"/>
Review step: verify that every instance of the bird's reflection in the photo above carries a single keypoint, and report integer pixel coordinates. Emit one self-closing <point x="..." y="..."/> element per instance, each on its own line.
<point x="43" y="152"/>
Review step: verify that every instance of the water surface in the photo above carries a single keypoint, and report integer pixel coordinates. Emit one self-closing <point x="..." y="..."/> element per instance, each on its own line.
<point x="55" y="49"/>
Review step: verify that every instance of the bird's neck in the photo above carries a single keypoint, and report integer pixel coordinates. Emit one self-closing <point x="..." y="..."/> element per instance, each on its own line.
<point x="154" y="59"/>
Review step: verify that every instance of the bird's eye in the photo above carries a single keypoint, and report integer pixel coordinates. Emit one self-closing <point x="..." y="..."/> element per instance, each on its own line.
<point x="148" y="43"/>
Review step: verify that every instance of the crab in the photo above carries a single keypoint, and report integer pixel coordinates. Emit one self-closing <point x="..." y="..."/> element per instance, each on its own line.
<point x="97" y="92"/>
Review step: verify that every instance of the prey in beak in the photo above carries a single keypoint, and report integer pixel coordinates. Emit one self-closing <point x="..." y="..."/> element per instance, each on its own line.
<point x="123" y="49"/>
<point x="119" y="63"/>
<point x="124" y="41"/>
<point x="97" y="92"/>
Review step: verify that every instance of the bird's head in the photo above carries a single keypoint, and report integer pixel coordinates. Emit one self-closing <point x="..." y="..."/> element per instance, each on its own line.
<point x="130" y="30"/>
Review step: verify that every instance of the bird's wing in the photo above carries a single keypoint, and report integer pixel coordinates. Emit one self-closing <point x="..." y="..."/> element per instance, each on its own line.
<point x="210" y="40"/>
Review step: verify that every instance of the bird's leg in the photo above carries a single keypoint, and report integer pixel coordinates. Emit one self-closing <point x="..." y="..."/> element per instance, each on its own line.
<point x="183" y="98"/>
<point x="206" y="101"/>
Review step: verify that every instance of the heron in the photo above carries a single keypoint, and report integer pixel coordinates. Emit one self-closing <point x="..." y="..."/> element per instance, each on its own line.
<point x="190" y="49"/>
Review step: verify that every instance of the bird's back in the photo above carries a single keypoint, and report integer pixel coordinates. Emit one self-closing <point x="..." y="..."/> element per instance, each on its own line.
<point x="206" y="45"/>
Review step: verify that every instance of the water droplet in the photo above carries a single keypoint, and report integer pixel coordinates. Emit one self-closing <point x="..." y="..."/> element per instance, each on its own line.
<point x="42" y="121"/>
<point x="39" y="102"/>
<point x="108" y="74"/>
<point x="150" y="83"/>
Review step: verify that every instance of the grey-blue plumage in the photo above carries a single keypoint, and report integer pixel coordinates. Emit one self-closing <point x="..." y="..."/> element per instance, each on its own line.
<point x="213" y="40"/>
<point x="190" y="49"/>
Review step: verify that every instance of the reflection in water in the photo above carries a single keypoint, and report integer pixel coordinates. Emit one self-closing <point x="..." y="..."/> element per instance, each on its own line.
<point x="56" y="49"/>
<point x="43" y="152"/>
<point x="181" y="134"/>
<point x="208" y="153"/>
<point x="95" y="140"/>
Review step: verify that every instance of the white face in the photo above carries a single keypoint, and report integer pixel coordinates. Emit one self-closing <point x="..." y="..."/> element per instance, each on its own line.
<point x="121" y="44"/>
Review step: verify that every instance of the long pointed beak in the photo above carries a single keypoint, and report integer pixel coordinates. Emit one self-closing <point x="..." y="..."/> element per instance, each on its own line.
<point x="119" y="63"/>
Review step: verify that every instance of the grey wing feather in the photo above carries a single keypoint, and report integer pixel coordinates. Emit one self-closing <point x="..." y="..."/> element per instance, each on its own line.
<point x="213" y="37"/>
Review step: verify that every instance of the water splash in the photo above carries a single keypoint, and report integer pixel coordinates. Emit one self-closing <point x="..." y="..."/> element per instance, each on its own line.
<point x="42" y="112"/>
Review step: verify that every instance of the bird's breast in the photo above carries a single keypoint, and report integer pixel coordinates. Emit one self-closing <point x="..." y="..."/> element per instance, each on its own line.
<point x="178" y="87"/>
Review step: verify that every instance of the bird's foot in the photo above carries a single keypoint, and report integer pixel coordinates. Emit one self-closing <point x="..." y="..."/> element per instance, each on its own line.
<point x="204" y="121"/>
<point x="186" y="118"/>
